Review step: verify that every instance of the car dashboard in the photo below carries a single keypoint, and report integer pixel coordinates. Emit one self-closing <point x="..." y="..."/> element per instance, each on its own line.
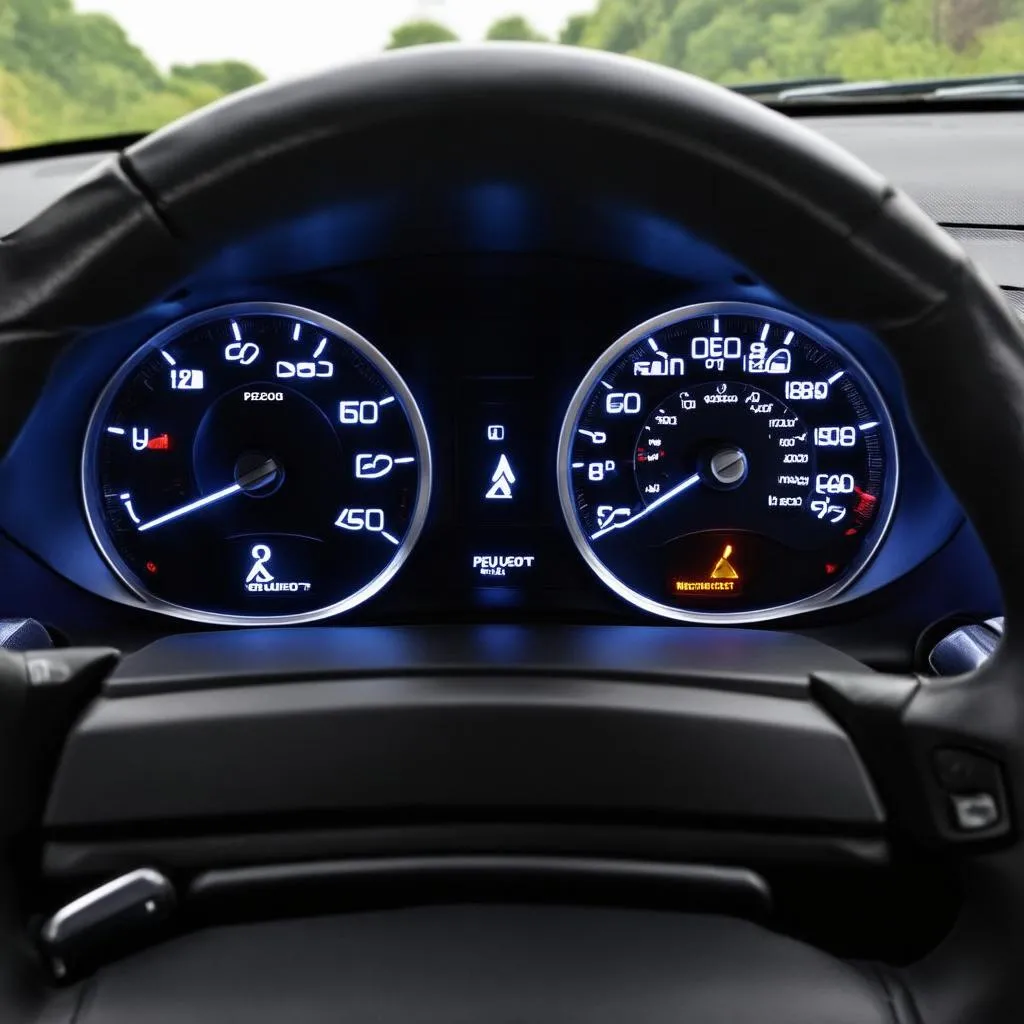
<point x="226" y="457"/>
<point x="478" y="529"/>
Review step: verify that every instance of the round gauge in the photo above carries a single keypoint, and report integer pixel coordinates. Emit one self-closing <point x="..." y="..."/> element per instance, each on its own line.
<point x="256" y="463"/>
<point x="727" y="462"/>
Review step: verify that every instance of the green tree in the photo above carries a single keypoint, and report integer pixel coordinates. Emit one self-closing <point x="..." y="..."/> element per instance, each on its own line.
<point x="1000" y="49"/>
<point x="960" y="22"/>
<point x="225" y="75"/>
<point x="574" y="30"/>
<point x="515" y="29"/>
<point x="623" y="26"/>
<point x="735" y="40"/>
<point x="724" y="47"/>
<point x="839" y="16"/>
<point x="67" y="74"/>
<point x="416" y="33"/>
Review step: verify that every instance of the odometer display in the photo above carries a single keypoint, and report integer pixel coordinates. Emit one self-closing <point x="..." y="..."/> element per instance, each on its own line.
<point x="256" y="463"/>
<point x="727" y="462"/>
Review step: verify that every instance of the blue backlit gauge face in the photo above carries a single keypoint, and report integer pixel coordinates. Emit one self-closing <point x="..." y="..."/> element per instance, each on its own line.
<point x="256" y="463"/>
<point x="727" y="463"/>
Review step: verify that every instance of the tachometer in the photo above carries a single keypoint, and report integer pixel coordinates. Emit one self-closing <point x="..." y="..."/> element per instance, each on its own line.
<point x="727" y="462"/>
<point x="256" y="463"/>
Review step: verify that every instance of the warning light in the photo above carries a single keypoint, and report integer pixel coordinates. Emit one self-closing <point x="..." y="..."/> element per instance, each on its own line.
<point x="723" y="569"/>
<point x="724" y="579"/>
<point x="850" y="532"/>
<point x="865" y="502"/>
<point x="160" y="443"/>
<point x="831" y="569"/>
<point x="151" y="567"/>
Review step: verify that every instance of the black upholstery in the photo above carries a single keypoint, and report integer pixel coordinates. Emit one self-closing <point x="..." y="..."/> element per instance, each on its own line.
<point x="489" y="965"/>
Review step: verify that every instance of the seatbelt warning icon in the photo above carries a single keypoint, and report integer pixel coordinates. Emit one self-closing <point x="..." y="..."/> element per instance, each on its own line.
<point x="502" y="481"/>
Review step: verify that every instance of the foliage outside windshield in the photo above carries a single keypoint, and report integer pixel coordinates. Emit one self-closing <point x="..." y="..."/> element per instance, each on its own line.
<point x="68" y="73"/>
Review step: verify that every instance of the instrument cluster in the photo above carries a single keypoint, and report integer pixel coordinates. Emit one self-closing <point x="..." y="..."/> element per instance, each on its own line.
<point x="475" y="438"/>
<point x="263" y="462"/>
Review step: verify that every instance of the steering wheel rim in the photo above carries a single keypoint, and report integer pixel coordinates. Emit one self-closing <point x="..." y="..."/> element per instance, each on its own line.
<point x="752" y="177"/>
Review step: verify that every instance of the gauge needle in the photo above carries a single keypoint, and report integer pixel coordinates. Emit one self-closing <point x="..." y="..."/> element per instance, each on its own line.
<point x="267" y="469"/>
<point x="664" y="499"/>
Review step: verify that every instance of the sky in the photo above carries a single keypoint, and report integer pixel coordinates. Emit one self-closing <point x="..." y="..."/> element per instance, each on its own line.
<point x="287" y="37"/>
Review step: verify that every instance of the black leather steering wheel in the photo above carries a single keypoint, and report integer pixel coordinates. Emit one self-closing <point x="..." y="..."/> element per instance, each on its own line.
<point x="742" y="177"/>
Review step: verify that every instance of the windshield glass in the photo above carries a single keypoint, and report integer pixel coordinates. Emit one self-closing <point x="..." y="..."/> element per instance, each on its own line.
<point x="85" y="68"/>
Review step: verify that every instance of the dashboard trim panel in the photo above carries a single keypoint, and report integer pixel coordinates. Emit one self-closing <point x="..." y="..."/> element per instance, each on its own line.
<point x="411" y="745"/>
<point x="737" y="660"/>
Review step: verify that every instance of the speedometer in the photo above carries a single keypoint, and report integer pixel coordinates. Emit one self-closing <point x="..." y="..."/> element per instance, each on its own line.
<point x="256" y="463"/>
<point x="727" y="462"/>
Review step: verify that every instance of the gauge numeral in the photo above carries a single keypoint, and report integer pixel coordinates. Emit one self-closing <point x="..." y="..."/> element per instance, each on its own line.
<point x="619" y="403"/>
<point x="835" y="437"/>
<point x="834" y="483"/>
<point x="716" y="348"/>
<point x="662" y="365"/>
<point x="825" y="509"/>
<point x="714" y="351"/>
<point x="355" y="519"/>
<point x="243" y="353"/>
<point x="807" y="390"/>
<point x="321" y="368"/>
<point x="369" y="520"/>
<point x="188" y="380"/>
<point x="373" y="467"/>
<point x="353" y="412"/>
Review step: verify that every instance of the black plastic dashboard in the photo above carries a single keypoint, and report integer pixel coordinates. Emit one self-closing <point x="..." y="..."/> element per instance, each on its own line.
<point x="505" y="406"/>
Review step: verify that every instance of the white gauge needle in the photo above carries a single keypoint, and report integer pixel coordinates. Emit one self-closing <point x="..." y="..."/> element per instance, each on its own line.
<point x="194" y="506"/>
<point x="666" y="497"/>
<point x="255" y="476"/>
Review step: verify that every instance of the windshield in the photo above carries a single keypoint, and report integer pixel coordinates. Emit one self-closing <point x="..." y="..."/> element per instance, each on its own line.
<point x="87" y="68"/>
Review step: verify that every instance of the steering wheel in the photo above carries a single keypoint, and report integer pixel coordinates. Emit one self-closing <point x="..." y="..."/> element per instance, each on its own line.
<point x="825" y="231"/>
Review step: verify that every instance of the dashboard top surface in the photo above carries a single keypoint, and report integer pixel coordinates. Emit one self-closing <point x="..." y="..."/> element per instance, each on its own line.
<point x="763" y="662"/>
<point x="962" y="169"/>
